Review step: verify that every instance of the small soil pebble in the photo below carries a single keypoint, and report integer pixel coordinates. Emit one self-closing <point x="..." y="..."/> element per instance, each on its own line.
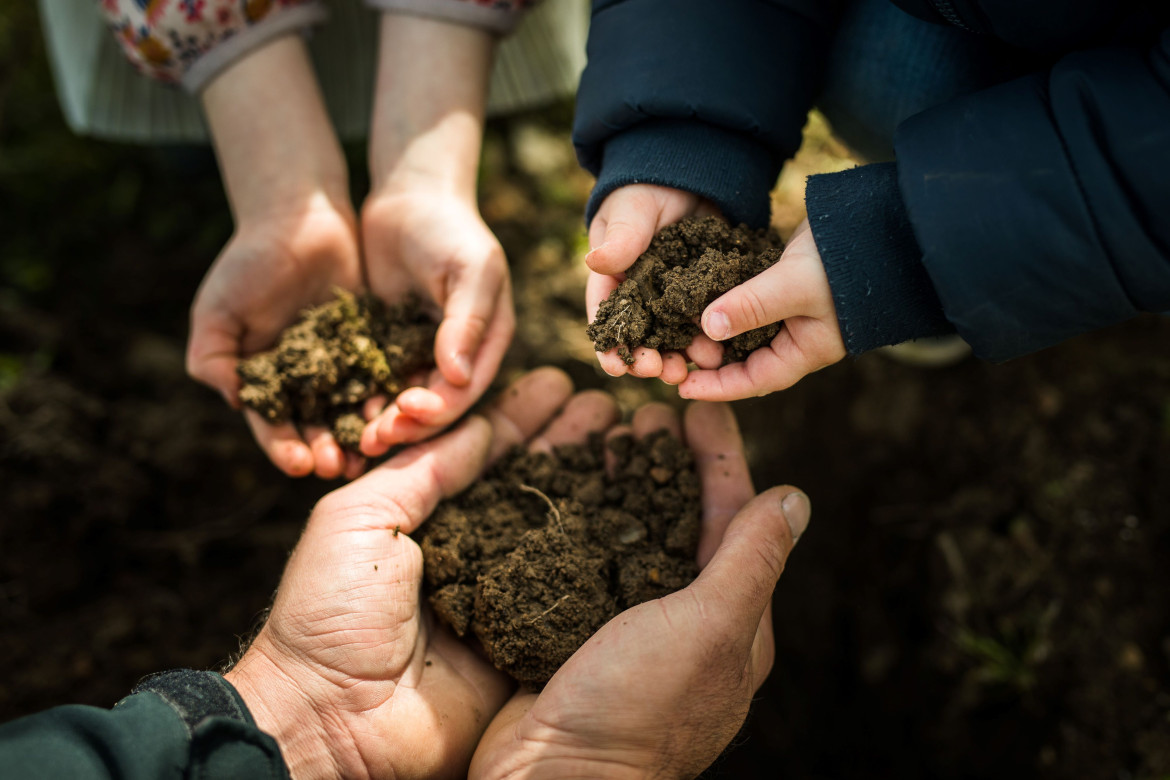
<point x="546" y="549"/>
<point x="334" y="358"/>
<point x="688" y="265"/>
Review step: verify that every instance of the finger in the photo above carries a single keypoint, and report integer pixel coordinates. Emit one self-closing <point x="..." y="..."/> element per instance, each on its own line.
<point x="647" y="363"/>
<point x="526" y="407"/>
<point x="766" y="370"/>
<point x="611" y="363"/>
<point x="610" y="435"/>
<point x="328" y="459"/>
<point x="759" y="301"/>
<point x="674" y="368"/>
<point x="743" y="572"/>
<point x="282" y="444"/>
<point x="763" y="652"/>
<point x="597" y="288"/>
<point x="354" y="465"/>
<point x="374" y="406"/>
<point x="426" y="417"/>
<point x="213" y="352"/>
<point x="587" y="412"/>
<point x="656" y="417"/>
<point x="467" y="313"/>
<point x="712" y="434"/>
<point x="625" y="224"/>
<point x="502" y="737"/>
<point x="705" y="353"/>
<point x="403" y="491"/>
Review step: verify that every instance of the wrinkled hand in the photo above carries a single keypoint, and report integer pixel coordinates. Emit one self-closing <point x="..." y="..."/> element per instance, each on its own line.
<point x="621" y="230"/>
<point x="436" y="244"/>
<point x="662" y="688"/>
<point x="794" y="290"/>
<point x="350" y="673"/>
<point x="274" y="266"/>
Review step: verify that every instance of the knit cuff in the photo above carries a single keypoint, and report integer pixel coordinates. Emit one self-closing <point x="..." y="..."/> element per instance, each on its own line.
<point x="499" y="18"/>
<point x="730" y="169"/>
<point x="881" y="289"/>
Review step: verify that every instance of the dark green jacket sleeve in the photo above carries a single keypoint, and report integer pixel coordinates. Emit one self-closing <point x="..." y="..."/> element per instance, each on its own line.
<point x="180" y="724"/>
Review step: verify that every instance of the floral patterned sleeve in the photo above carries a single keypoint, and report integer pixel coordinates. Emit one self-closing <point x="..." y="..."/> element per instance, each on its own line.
<point x="499" y="16"/>
<point x="189" y="42"/>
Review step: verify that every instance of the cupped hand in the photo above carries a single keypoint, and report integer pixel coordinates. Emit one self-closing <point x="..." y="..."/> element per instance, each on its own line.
<point x="662" y="688"/>
<point x="795" y="290"/>
<point x="627" y="220"/>
<point x="436" y="244"/>
<point x="350" y="673"/>
<point x="276" y="264"/>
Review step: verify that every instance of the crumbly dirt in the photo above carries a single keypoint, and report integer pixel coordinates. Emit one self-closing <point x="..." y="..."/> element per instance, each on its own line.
<point x="334" y="358"/>
<point x="688" y="265"/>
<point x="546" y="549"/>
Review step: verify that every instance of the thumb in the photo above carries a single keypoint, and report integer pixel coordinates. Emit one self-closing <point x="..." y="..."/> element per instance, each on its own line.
<point x="468" y="313"/>
<point x="748" y="563"/>
<point x="212" y="355"/>
<point x="622" y="230"/>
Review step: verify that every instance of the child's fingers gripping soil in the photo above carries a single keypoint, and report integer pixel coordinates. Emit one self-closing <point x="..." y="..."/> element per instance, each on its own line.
<point x="328" y="459"/>
<point x="590" y="411"/>
<point x="283" y="445"/>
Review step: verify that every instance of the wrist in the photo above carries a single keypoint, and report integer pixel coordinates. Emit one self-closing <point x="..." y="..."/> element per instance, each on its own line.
<point x="283" y="710"/>
<point x="271" y="131"/>
<point x="427" y="127"/>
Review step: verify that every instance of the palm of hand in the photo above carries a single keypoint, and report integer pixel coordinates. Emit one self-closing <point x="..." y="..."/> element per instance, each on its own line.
<point x="268" y="272"/>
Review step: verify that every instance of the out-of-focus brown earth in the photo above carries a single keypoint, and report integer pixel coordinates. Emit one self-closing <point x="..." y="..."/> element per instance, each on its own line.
<point x="983" y="591"/>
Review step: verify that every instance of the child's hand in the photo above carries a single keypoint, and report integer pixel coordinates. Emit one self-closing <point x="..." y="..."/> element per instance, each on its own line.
<point x="621" y="231"/>
<point x="794" y="290"/>
<point x="437" y="245"/>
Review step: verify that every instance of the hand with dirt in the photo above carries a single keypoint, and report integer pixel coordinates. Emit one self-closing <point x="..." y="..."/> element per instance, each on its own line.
<point x="421" y="227"/>
<point x="621" y="230"/>
<point x="295" y="237"/>
<point x="661" y="689"/>
<point x="350" y="673"/>
<point x="796" y="291"/>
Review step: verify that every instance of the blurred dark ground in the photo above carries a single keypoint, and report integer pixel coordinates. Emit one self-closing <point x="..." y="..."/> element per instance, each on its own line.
<point x="983" y="591"/>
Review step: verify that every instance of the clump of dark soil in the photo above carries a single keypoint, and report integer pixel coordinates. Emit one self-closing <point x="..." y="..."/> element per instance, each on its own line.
<point x="337" y="356"/>
<point x="688" y="265"/>
<point x="546" y="549"/>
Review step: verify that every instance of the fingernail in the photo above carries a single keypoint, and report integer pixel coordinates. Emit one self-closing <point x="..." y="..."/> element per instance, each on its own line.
<point x="717" y="326"/>
<point x="593" y="250"/>
<point x="796" y="509"/>
<point x="463" y="365"/>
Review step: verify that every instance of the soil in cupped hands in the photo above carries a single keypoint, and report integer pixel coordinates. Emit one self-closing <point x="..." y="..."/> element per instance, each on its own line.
<point x="687" y="266"/>
<point x="334" y="358"/>
<point x="544" y="550"/>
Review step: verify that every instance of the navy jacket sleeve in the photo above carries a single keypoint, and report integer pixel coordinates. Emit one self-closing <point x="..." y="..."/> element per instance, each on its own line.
<point x="707" y="96"/>
<point x="181" y="724"/>
<point x="1039" y="206"/>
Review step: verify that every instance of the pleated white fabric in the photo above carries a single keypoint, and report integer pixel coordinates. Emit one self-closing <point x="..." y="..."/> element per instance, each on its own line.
<point x="103" y="96"/>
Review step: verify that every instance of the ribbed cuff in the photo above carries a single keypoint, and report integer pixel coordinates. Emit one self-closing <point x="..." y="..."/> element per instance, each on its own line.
<point x="216" y="60"/>
<point x="881" y="289"/>
<point x="500" y="21"/>
<point x="729" y="169"/>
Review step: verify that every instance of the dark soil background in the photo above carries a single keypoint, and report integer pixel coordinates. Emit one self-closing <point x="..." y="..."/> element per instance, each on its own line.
<point x="983" y="592"/>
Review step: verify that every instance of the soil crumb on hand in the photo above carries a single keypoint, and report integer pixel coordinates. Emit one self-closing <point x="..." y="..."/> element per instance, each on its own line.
<point x="687" y="266"/>
<point x="337" y="356"/>
<point x="546" y="549"/>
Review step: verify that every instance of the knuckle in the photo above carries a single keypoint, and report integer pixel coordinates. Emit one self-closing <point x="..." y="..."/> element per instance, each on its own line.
<point x="752" y="309"/>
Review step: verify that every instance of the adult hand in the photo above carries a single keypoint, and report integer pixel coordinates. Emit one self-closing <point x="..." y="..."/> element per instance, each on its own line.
<point x="794" y="290"/>
<point x="662" y="688"/>
<point x="627" y="220"/>
<point x="350" y="673"/>
<point x="435" y="243"/>
<point x="295" y="237"/>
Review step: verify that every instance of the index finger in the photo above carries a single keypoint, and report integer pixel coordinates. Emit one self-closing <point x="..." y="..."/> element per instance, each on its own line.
<point x="712" y="434"/>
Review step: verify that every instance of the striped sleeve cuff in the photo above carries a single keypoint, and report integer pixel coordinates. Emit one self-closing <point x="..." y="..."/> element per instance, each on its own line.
<point x="496" y="16"/>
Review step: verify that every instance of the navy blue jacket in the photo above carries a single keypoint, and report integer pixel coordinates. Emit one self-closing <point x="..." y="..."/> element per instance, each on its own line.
<point x="1019" y="216"/>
